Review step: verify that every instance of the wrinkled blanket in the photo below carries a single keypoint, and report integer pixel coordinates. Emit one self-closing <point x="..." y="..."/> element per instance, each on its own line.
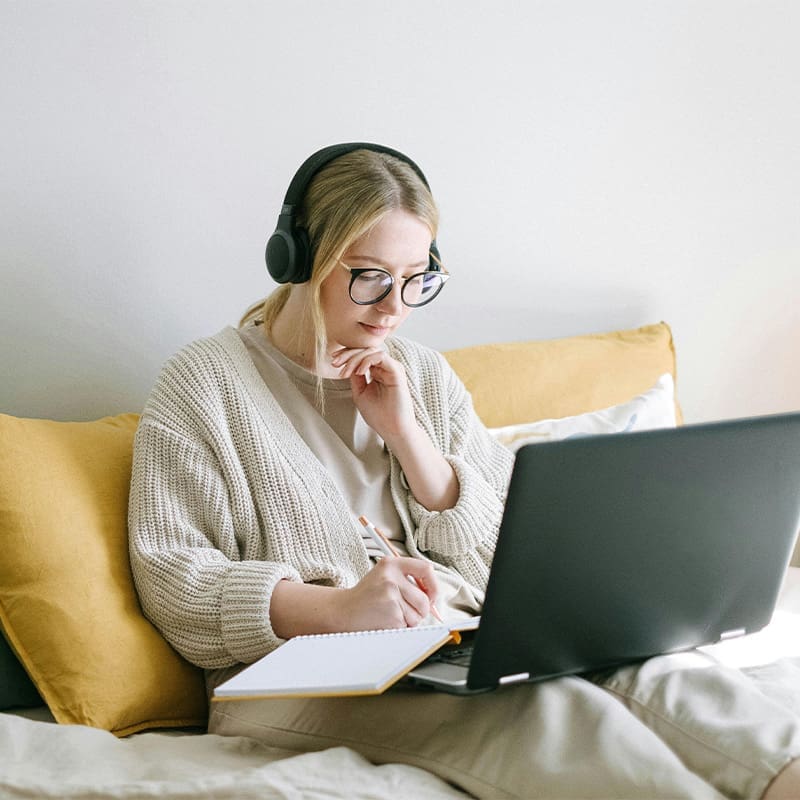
<point x="43" y="760"/>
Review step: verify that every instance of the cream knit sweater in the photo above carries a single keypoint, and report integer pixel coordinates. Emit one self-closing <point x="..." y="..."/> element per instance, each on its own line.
<point x="227" y="499"/>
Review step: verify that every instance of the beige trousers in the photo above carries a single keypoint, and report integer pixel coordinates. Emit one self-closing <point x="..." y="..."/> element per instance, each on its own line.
<point x="678" y="726"/>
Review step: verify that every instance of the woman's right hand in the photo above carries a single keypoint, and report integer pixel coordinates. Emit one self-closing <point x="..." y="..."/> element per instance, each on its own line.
<point x="383" y="598"/>
<point x="386" y="598"/>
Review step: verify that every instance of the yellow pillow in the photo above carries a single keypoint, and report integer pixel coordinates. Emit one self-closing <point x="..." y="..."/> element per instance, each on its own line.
<point x="521" y="382"/>
<point x="68" y="605"/>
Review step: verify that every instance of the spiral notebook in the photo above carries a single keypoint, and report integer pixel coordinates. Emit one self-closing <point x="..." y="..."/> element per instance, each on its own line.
<point x="326" y="665"/>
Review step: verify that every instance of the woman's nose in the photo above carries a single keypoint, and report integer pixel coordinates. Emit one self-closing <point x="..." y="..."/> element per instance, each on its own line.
<point x="392" y="303"/>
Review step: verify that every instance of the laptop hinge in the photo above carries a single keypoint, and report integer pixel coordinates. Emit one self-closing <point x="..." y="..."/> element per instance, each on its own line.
<point x="732" y="634"/>
<point x="517" y="678"/>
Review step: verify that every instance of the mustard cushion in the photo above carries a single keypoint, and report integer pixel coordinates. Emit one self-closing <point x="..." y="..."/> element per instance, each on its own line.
<point x="68" y="606"/>
<point x="519" y="382"/>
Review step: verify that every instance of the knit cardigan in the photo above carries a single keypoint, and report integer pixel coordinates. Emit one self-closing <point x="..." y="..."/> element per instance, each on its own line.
<point x="227" y="499"/>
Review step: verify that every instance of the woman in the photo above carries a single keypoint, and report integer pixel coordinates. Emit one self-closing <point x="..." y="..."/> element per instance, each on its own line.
<point x="260" y="448"/>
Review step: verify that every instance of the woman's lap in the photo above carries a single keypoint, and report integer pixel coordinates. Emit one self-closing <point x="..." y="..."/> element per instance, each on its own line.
<point x="563" y="738"/>
<point x="669" y="727"/>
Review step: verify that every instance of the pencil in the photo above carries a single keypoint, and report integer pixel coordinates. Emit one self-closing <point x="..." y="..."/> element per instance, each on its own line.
<point x="380" y="540"/>
<point x="388" y="549"/>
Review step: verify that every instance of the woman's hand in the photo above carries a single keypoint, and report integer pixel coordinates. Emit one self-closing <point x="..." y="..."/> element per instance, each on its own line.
<point x="383" y="598"/>
<point x="385" y="404"/>
<point x="386" y="598"/>
<point x="380" y="390"/>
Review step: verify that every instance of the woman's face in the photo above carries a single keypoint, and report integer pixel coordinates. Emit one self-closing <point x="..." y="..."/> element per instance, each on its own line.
<point x="400" y="244"/>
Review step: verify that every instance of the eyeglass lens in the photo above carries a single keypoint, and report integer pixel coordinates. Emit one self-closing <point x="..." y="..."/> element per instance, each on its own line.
<point x="373" y="285"/>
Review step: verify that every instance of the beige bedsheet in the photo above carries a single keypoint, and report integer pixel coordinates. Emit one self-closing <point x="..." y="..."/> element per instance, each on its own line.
<point x="39" y="759"/>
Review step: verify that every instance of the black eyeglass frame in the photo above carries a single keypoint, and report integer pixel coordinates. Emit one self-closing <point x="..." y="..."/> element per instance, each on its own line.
<point x="355" y="272"/>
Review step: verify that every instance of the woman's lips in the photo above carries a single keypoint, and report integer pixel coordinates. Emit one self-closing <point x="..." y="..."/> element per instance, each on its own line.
<point x="375" y="330"/>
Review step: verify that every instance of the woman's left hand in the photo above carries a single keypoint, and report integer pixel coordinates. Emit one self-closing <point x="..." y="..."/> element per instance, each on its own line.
<point x="386" y="406"/>
<point x="380" y="390"/>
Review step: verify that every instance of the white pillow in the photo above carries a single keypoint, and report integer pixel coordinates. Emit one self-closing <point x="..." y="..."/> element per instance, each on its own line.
<point x="654" y="408"/>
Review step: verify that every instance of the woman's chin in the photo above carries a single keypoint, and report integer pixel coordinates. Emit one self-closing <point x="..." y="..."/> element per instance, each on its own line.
<point x="359" y="337"/>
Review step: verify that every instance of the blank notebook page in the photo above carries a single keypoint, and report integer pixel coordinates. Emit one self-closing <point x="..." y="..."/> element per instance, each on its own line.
<point x="363" y="662"/>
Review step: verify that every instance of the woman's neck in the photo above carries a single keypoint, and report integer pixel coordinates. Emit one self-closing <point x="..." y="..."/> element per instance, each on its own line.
<point x="292" y="333"/>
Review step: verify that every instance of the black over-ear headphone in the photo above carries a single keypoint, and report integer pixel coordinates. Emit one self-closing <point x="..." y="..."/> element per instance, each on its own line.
<point x="289" y="257"/>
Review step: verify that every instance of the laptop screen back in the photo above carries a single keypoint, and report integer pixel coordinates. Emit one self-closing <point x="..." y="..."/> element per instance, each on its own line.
<point x="615" y="548"/>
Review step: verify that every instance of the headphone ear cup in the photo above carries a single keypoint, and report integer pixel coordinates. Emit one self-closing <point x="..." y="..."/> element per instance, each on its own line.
<point x="280" y="256"/>
<point x="288" y="254"/>
<point x="434" y="262"/>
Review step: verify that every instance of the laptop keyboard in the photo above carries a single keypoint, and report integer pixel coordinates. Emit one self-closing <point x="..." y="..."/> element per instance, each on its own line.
<point x="460" y="655"/>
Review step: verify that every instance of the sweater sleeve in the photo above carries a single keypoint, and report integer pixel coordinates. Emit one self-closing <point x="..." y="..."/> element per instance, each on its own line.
<point x="463" y="536"/>
<point x="189" y="563"/>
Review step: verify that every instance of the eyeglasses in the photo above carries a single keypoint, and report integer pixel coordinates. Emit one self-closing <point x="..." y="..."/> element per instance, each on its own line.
<point x="371" y="284"/>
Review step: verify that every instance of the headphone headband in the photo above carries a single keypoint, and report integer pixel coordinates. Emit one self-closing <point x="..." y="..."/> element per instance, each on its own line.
<point x="315" y="162"/>
<point x="288" y="254"/>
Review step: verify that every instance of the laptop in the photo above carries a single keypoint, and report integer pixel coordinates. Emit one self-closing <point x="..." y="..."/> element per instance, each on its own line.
<point x="615" y="548"/>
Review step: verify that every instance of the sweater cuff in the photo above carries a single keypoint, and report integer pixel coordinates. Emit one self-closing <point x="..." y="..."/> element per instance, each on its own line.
<point x="474" y="518"/>
<point x="246" y="628"/>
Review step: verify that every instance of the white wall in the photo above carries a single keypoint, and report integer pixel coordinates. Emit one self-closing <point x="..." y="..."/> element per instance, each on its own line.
<point x="598" y="165"/>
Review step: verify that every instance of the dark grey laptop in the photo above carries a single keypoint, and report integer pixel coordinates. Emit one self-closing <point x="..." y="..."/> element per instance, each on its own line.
<point x="615" y="548"/>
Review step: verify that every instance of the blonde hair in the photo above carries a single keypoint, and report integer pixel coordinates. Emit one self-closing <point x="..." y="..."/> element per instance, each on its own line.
<point x="344" y="200"/>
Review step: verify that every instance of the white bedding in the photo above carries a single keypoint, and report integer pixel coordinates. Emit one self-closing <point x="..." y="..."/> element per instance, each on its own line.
<point x="39" y="759"/>
<point x="47" y="761"/>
